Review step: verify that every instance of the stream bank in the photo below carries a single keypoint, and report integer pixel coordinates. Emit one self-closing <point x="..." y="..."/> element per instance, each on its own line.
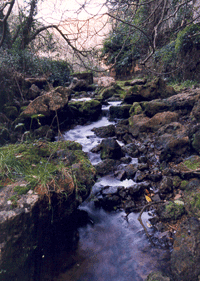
<point x="161" y="128"/>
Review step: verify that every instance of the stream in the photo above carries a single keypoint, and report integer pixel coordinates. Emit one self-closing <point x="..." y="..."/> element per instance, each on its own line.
<point x="110" y="246"/>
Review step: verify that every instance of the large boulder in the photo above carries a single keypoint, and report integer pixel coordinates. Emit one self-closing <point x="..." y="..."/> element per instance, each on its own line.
<point x="155" y="106"/>
<point x="185" y="258"/>
<point x="49" y="102"/>
<point x="150" y="91"/>
<point x="105" y="131"/>
<point x="140" y="123"/>
<point x="48" y="182"/>
<point x="120" y="112"/>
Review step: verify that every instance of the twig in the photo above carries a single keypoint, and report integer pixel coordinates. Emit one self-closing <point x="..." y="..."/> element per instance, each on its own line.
<point x="140" y="219"/>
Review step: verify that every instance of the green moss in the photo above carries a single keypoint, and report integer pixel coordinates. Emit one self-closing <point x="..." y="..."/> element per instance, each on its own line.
<point x="195" y="203"/>
<point x="21" y="189"/>
<point x="191" y="164"/>
<point x="183" y="185"/>
<point x="109" y="92"/>
<point x="176" y="182"/>
<point x="174" y="211"/>
<point x="179" y="86"/>
<point x="135" y="109"/>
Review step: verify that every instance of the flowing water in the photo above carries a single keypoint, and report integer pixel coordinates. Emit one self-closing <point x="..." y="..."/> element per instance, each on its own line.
<point x="111" y="247"/>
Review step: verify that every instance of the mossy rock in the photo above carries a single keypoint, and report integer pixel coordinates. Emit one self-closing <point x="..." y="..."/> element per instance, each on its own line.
<point x="155" y="106"/>
<point x="135" y="109"/>
<point x="91" y="108"/>
<point x="190" y="166"/>
<point x="196" y="141"/>
<point x="191" y="197"/>
<point x="171" y="211"/>
<point x="192" y="162"/>
<point x="120" y="112"/>
<point x="192" y="202"/>
<point x="109" y="92"/>
<point x="174" y="211"/>
<point x="176" y="182"/>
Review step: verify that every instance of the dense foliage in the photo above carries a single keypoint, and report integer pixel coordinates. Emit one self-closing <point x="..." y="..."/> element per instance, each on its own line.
<point x="160" y="32"/>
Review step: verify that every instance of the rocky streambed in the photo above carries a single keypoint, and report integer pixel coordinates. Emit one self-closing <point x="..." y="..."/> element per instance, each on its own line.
<point x="154" y="124"/>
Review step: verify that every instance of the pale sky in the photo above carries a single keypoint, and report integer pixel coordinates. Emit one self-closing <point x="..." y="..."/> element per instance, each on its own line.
<point x="52" y="11"/>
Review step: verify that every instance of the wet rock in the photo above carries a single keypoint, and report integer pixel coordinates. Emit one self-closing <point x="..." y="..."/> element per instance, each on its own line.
<point x="135" y="189"/>
<point x="155" y="176"/>
<point x="183" y="101"/>
<point x="83" y="111"/>
<point x="174" y="147"/>
<point x="191" y="196"/>
<point x="110" y="149"/>
<point x="185" y="257"/>
<point x="161" y="119"/>
<point x="110" y="190"/>
<point x="166" y="187"/>
<point x="157" y="276"/>
<point x="122" y="130"/>
<point x="130" y="170"/>
<point x="119" y="112"/>
<point x="126" y="160"/>
<point x="196" y="111"/>
<point x="142" y="159"/>
<point x="105" y="167"/>
<point x="156" y="198"/>
<point x="105" y="131"/>
<point x="129" y="206"/>
<point x="120" y="175"/>
<point x="141" y="176"/>
<point x="123" y="192"/>
<point x="143" y="166"/>
<point x="131" y="149"/>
